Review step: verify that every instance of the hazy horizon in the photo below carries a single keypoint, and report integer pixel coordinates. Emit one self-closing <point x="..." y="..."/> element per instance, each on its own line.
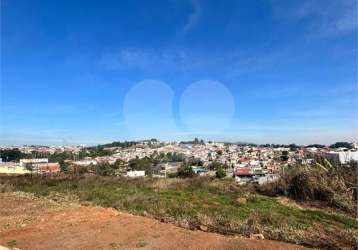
<point x="65" y="144"/>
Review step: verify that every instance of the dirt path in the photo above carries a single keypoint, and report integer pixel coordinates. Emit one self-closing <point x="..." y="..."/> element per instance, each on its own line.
<point x="27" y="222"/>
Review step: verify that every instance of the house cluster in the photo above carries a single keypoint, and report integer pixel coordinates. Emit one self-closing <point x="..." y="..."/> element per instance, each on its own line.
<point x="28" y="149"/>
<point x="246" y="163"/>
<point x="40" y="166"/>
<point x="28" y="166"/>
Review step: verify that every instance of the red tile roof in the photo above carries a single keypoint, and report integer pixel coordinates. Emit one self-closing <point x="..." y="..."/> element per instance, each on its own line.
<point x="243" y="171"/>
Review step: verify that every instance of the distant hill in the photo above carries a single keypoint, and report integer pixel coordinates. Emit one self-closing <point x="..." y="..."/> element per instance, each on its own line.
<point x="124" y="144"/>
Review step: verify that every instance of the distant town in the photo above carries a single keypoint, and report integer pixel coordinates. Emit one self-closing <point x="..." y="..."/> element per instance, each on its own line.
<point x="244" y="162"/>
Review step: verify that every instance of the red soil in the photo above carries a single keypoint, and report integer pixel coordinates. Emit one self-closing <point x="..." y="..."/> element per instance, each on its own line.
<point x="27" y="222"/>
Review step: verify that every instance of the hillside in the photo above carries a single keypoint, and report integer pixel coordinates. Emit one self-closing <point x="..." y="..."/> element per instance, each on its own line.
<point x="210" y="205"/>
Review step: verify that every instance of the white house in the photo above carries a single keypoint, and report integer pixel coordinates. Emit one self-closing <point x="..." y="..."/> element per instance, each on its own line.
<point x="85" y="162"/>
<point x="24" y="162"/>
<point x="136" y="173"/>
<point x="342" y="156"/>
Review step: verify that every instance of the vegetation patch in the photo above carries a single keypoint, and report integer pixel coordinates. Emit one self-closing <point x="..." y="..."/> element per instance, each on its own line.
<point x="333" y="186"/>
<point x="216" y="205"/>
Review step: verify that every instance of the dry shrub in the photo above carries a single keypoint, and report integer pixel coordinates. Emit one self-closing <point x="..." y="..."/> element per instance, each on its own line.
<point x="6" y="187"/>
<point x="309" y="186"/>
<point x="276" y="188"/>
<point x="252" y="224"/>
<point x="315" y="185"/>
<point x="308" y="183"/>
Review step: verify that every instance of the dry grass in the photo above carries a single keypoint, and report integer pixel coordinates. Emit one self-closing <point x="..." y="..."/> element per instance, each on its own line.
<point x="330" y="186"/>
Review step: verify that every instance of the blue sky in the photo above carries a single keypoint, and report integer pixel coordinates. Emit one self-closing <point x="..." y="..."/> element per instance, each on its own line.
<point x="258" y="71"/>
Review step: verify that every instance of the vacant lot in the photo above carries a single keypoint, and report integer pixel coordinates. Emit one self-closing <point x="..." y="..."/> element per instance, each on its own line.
<point x="205" y="204"/>
<point x="28" y="222"/>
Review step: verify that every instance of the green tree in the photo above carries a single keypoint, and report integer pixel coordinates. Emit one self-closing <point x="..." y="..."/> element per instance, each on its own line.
<point x="64" y="166"/>
<point x="342" y="145"/>
<point x="144" y="163"/>
<point x="220" y="173"/>
<point x="103" y="169"/>
<point x="215" y="165"/>
<point x="118" y="164"/>
<point x="284" y="156"/>
<point x="11" y="154"/>
<point x="186" y="171"/>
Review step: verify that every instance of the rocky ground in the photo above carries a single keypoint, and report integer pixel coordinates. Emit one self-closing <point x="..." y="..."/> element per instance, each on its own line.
<point x="28" y="222"/>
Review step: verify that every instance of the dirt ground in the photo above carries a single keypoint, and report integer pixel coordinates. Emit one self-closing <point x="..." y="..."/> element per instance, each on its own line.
<point x="27" y="222"/>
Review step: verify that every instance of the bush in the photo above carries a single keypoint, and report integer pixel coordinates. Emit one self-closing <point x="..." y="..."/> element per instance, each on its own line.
<point x="220" y="173"/>
<point x="308" y="186"/>
<point x="277" y="188"/>
<point x="186" y="171"/>
<point x="103" y="169"/>
<point x="321" y="182"/>
<point x="215" y="165"/>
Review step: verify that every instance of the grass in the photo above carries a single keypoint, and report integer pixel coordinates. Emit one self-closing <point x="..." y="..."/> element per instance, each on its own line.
<point x="141" y="244"/>
<point x="11" y="243"/>
<point x="201" y="201"/>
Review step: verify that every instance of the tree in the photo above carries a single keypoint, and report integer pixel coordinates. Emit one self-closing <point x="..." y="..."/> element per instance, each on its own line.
<point x="11" y="154"/>
<point x="118" y="164"/>
<point x="220" y="173"/>
<point x="64" y="166"/>
<point x="60" y="157"/>
<point x="185" y="171"/>
<point x="79" y="170"/>
<point x="103" y="169"/>
<point x="215" y="165"/>
<point x="342" y="145"/>
<point x="315" y="146"/>
<point x="194" y="161"/>
<point x="177" y="157"/>
<point x="124" y="144"/>
<point x="284" y="156"/>
<point x="144" y="163"/>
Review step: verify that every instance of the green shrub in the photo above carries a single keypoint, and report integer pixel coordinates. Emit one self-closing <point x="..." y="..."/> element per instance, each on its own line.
<point x="220" y="173"/>
<point x="186" y="171"/>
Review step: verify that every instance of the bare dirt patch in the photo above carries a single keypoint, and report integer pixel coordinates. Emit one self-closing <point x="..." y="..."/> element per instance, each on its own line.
<point x="28" y="222"/>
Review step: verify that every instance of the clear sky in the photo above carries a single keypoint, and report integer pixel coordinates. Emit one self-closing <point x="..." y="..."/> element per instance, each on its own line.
<point x="259" y="71"/>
